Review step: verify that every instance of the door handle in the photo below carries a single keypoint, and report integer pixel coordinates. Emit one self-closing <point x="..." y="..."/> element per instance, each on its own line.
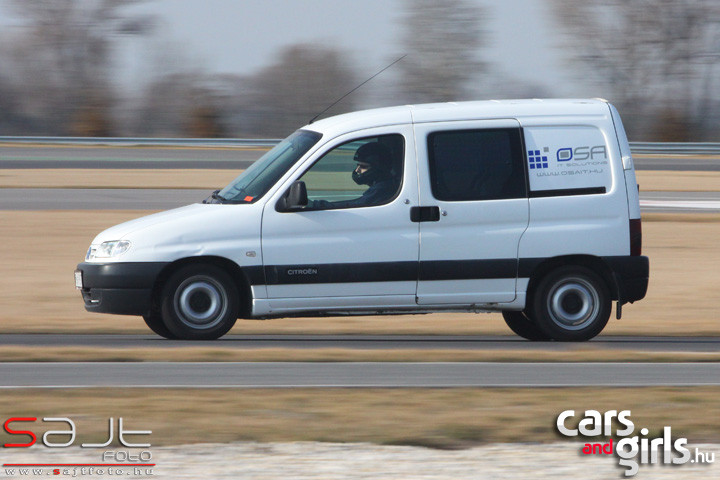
<point x="424" y="214"/>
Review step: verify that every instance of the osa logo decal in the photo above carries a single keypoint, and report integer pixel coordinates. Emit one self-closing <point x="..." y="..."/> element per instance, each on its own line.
<point x="566" y="154"/>
<point x="539" y="160"/>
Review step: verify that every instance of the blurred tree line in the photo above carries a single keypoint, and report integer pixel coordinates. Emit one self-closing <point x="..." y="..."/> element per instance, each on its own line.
<point x="657" y="60"/>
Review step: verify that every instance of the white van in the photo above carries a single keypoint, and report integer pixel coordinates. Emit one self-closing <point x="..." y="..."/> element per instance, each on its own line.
<point x="527" y="207"/>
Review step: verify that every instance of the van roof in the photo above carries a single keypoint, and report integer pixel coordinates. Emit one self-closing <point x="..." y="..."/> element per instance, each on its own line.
<point x="457" y="111"/>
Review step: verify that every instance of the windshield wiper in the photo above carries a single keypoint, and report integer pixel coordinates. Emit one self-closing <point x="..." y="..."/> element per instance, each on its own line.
<point x="215" y="197"/>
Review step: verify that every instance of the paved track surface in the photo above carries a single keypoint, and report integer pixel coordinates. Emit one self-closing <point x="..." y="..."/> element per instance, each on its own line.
<point x="290" y="375"/>
<point x="368" y="342"/>
<point x="163" y="199"/>
<point x="98" y="199"/>
<point x="126" y="157"/>
<point x="52" y="156"/>
<point x="678" y="163"/>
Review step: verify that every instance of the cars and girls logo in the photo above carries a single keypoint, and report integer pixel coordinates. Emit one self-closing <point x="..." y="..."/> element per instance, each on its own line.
<point x="24" y="432"/>
<point x="632" y="450"/>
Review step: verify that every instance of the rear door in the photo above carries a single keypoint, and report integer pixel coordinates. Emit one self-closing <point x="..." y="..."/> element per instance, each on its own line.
<point x="473" y="211"/>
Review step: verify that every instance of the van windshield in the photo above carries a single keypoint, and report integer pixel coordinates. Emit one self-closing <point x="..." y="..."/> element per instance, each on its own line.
<point x="256" y="180"/>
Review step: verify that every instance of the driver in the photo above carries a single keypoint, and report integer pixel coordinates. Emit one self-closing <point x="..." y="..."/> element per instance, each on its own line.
<point x="373" y="169"/>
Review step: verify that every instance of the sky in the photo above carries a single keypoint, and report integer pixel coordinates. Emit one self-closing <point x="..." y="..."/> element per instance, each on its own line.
<point x="242" y="36"/>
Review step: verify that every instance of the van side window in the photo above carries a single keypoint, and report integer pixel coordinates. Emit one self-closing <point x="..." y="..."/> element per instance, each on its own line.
<point x="361" y="173"/>
<point x="476" y="164"/>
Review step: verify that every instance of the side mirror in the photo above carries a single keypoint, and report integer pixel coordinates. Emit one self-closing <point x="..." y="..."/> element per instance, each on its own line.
<point x="295" y="199"/>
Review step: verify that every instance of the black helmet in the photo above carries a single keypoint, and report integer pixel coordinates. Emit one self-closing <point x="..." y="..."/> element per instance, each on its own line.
<point x="377" y="156"/>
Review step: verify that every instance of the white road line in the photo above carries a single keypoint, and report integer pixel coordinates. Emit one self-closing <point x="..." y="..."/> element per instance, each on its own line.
<point x="689" y="204"/>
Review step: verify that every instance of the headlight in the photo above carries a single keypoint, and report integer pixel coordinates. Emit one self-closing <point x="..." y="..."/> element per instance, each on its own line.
<point x="108" y="249"/>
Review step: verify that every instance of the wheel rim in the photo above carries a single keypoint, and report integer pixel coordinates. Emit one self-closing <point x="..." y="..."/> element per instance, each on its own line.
<point x="573" y="303"/>
<point x="201" y="302"/>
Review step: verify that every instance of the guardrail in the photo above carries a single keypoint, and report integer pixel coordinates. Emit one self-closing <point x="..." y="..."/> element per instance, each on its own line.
<point x="660" y="148"/>
<point x="675" y="148"/>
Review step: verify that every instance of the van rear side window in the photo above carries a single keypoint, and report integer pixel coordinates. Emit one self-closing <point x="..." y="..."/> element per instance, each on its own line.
<point x="482" y="164"/>
<point x="568" y="160"/>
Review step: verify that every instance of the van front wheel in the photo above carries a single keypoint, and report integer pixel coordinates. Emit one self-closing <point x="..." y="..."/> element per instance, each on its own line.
<point x="572" y="303"/>
<point x="156" y="324"/>
<point x="199" y="302"/>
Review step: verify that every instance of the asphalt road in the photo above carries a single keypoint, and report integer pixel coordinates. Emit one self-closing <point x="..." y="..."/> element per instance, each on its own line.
<point x="677" y="163"/>
<point x="98" y="199"/>
<point x="367" y="342"/>
<point x="348" y="375"/>
<point x="54" y="156"/>
<point x="163" y="199"/>
<point x="57" y="156"/>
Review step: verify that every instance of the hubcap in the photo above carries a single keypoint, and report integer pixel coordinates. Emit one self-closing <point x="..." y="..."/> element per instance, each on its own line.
<point x="201" y="302"/>
<point x="573" y="303"/>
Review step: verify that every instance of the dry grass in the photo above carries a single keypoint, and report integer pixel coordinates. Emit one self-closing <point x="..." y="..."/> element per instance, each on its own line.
<point x="551" y="353"/>
<point x="37" y="293"/>
<point x="41" y="249"/>
<point x="684" y="278"/>
<point x="662" y="181"/>
<point x="443" y="418"/>
<point x="211" y="179"/>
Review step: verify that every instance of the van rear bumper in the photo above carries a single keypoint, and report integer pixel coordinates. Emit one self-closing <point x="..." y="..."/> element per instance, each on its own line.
<point x="631" y="276"/>
<point x="119" y="288"/>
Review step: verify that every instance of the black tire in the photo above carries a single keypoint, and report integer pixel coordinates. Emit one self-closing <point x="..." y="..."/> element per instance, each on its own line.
<point x="571" y="304"/>
<point x="523" y="326"/>
<point x="156" y="324"/>
<point x="199" y="302"/>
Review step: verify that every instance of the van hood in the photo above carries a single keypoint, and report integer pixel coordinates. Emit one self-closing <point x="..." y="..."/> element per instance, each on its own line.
<point x="120" y="231"/>
<point x="198" y="221"/>
<point x="200" y="229"/>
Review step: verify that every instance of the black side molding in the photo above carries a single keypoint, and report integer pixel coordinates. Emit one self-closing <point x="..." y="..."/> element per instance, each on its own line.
<point x="568" y="192"/>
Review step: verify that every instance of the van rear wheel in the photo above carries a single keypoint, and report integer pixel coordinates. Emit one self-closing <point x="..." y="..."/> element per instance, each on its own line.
<point x="523" y="326"/>
<point x="571" y="304"/>
<point x="199" y="302"/>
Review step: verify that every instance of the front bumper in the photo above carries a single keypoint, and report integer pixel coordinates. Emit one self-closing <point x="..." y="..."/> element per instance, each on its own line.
<point x="120" y="288"/>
